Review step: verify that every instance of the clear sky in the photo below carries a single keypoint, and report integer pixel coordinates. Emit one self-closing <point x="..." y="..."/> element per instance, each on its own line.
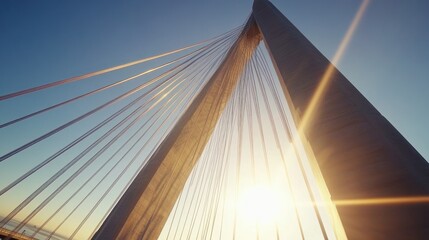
<point x="387" y="60"/>
<point x="44" y="41"/>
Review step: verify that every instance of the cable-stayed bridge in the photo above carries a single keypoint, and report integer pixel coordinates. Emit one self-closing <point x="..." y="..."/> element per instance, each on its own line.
<point x="217" y="119"/>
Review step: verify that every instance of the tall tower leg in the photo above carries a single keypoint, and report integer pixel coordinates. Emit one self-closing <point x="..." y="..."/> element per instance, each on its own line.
<point x="359" y="153"/>
<point x="146" y="205"/>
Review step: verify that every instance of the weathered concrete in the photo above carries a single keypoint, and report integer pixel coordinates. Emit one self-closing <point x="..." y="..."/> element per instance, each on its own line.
<point x="359" y="153"/>
<point x="145" y="206"/>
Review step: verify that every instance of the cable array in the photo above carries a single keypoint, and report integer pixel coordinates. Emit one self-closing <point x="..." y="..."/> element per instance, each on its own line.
<point x="247" y="151"/>
<point x="71" y="175"/>
<point x="137" y="121"/>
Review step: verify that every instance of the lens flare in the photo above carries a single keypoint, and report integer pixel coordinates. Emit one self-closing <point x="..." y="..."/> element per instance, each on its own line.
<point x="383" y="201"/>
<point x="324" y="82"/>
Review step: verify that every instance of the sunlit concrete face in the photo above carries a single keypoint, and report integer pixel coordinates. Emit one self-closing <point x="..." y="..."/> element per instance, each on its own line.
<point x="359" y="153"/>
<point x="144" y="208"/>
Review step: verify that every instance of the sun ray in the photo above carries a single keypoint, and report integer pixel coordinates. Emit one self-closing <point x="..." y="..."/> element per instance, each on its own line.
<point x="326" y="78"/>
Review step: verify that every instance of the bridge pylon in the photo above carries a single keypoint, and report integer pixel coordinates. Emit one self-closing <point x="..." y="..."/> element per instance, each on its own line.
<point x="146" y="205"/>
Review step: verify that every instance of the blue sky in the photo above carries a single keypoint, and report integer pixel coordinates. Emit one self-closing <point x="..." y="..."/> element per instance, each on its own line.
<point x="387" y="59"/>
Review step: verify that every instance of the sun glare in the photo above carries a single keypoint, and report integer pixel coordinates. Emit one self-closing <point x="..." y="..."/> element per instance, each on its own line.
<point x="259" y="203"/>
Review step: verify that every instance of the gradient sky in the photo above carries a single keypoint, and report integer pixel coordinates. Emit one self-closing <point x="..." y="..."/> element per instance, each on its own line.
<point x="387" y="59"/>
<point x="48" y="40"/>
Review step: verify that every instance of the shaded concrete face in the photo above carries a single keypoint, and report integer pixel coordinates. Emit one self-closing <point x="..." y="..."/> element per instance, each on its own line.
<point x="146" y="205"/>
<point x="359" y="153"/>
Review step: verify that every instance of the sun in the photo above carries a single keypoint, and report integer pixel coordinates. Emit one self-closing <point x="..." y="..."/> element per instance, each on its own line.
<point x="259" y="203"/>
